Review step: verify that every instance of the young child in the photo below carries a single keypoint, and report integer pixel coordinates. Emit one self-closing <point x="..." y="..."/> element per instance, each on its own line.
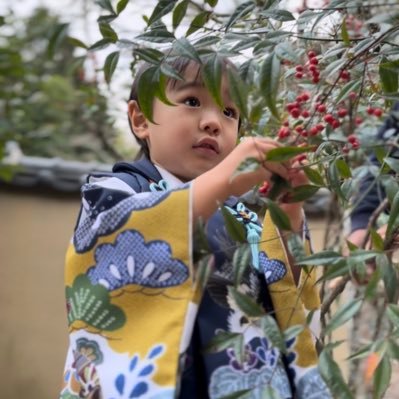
<point x="139" y="318"/>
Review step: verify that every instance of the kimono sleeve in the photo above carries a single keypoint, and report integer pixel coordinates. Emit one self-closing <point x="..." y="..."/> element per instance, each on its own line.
<point x="129" y="291"/>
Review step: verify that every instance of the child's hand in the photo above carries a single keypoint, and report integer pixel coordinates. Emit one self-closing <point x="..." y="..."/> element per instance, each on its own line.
<point x="252" y="147"/>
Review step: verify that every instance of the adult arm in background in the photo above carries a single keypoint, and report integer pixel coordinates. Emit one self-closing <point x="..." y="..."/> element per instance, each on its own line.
<point x="371" y="193"/>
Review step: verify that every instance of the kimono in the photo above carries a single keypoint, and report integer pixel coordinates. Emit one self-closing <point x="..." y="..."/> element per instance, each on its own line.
<point x="140" y="316"/>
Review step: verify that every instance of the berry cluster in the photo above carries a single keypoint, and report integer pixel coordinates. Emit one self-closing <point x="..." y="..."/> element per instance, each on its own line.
<point x="375" y="111"/>
<point x="311" y="68"/>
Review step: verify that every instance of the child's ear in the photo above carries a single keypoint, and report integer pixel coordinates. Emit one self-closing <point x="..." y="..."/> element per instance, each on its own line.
<point x="137" y="119"/>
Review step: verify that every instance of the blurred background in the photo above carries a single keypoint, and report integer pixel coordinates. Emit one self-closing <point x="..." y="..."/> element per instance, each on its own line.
<point x="59" y="120"/>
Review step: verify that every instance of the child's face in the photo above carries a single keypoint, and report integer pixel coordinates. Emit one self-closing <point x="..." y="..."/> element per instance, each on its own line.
<point x="194" y="135"/>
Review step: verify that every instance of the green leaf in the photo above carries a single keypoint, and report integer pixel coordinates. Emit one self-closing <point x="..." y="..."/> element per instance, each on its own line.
<point x="149" y="55"/>
<point x="178" y="13"/>
<point x="241" y="261"/>
<point x="238" y="92"/>
<point x="160" y="91"/>
<point x="207" y="41"/>
<point x="296" y="247"/>
<point x="285" y="51"/>
<point x="248" y="165"/>
<point x="240" y="12"/>
<point x="107" y="32"/>
<point x="313" y="175"/>
<point x="331" y="373"/>
<point x="343" y="314"/>
<point x="343" y="168"/>
<point x="334" y="179"/>
<point x="279" y="217"/>
<point x="224" y="340"/>
<point x="269" y="82"/>
<point x="121" y="6"/>
<point x="389" y="277"/>
<point x="106" y="5"/>
<point x="344" y="33"/>
<point x="278" y="15"/>
<point x="198" y="22"/>
<point x="372" y="285"/>
<point x="183" y="47"/>
<point x="393" y="349"/>
<point x="393" y="163"/>
<point x="388" y="76"/>
<point x="362" y="255"/>
<point x="157" y="36"/>
<point x="146" y="90"/>
<point x="204" y="269"/>
<point x="162" y="8"/>
<point x="268" y="392"/>
<point x="279" y="186"/>
<point x="353" y="85"/>
<point x="292" y="332"/>
<point x="392" y="311"/>
<point x="340" y="268"/>
<point x="382" y="377"/>
<point x="212" y="77"/>
<point x="377" y="240"/>
<point x="282" y="154"/>
<point x="245" y="303"/>
<point x="321" y="258"/>
<point x="110" y="64"/>
<point x="235" y="229"/>
<point x="76" y="42"/>
<point x="100" y="44"/>
<point x="212" y="3"/>
<point x="301" y="193"/>
<point x="273" y="333"/>
<point x="57" y="37"/>
<point x="393" y="221"/>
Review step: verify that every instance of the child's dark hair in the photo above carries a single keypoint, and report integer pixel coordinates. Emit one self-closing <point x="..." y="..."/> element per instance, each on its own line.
<point x="179" y="64"/>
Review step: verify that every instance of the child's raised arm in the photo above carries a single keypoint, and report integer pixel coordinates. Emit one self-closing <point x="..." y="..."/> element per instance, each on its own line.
<point x="215" y="186"/>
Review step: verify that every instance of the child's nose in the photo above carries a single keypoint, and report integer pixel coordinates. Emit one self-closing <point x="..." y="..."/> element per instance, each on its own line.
<point x="210" y="122"/>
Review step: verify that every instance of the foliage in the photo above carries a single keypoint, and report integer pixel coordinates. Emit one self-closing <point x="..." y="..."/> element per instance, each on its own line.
<point x="319" y="80"/>
<point x="47" y="104"/>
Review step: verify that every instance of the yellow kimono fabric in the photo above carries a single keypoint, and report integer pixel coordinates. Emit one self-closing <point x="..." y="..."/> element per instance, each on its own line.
<point x="130" y="295"/>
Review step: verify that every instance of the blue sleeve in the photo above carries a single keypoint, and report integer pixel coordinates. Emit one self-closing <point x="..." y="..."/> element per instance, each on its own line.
<point x="365" y="204"/>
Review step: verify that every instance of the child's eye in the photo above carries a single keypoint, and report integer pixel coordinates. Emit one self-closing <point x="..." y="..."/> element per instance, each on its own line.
<point x="230" y="112"/>
<point x="192" y="102"/>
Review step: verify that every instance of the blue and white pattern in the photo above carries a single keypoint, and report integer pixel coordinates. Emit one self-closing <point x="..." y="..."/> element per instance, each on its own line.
<point x="274" y="269"/>
<point x="108" y="221"/>
<point x="312" y="386"/>
<point x="133" y="261"/>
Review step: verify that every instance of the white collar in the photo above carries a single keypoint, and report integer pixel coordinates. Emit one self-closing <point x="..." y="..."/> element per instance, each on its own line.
<point x="172" y="180"/>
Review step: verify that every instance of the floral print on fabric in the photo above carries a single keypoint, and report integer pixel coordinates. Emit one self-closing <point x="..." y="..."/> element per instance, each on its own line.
<point x="133" y="261"/>
<point x="91" y="305"/>
<point x="274" y="269"/>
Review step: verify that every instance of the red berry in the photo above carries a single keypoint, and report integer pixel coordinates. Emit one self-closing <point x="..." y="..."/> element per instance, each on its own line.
<point x="320" y="127"/>
<point x="358" y="120"/>
<point x="305" y="113"/>
<point x="370" y="110"/>
<point x="264" y="188"/>
<point x="335" y="124"/>
<point x="352" y="95"/>
<point x="291" y="106"/>
<point x="301" y="157"/>
<point x="313" y="68"/>
<point x="283" y="132"/>
<point x="329" y="118"/>
<point x="316" y="79"/>
<point x="342" y="112"/>
<point x="377" y="112"/>
<point x="311" y="54"/>
<point x="313" y="61"/>
<point x="304" y="133"/>
<point x="299" y="68"/>
<point x="344" y="74"/>
<point x="352" y="138"/>
<point x="286" y="123"/>
<point x="295" y="113"/>
<point x="305" y="96"/>
<point x="299" y="75"/>
<point x="313" y="131"/>
<point x="355" y="145"/>
<point x="299" y="128"/>
<point x="345" y="149"/>
<point x="321" y="108"/>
